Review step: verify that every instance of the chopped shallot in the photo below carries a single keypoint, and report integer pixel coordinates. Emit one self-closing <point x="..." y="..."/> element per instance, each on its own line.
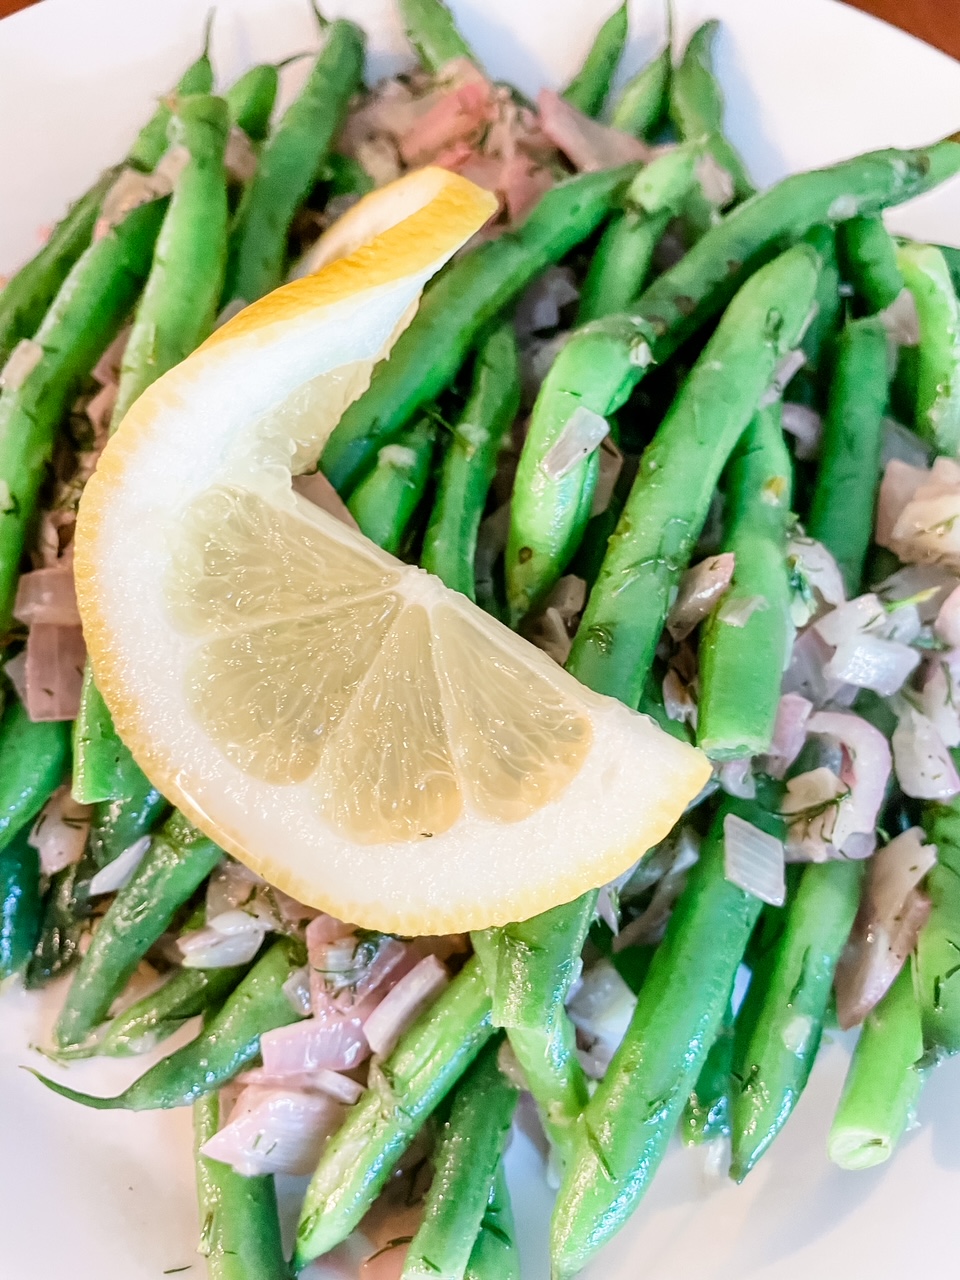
<point x="317" y="489"/>
<point x="121" y="870"/>
<point x="335" y="1042"/>
<point x="600" y="1008"/>
<point x="947" y="625"/>
<point x="870" y="662"/>
<point x="865" y="772"/>
<point x="892" y="912"/>
<point x="540" y="306"/>
<point x="789" y="734"/>
<point x="817" y="574"/>
<point x="668" y="866"/>
<point x="60" y="832"/>
<point x="924" y="766"/>
<point x="754" y="860"/>
<point x="736" y="779"/>
<point x="700" y="589"/>
<point x="938" y="701"/>
<point x="56" y="657"/>
<point x="455" y="114"/>
<point x="587" y="144"/>
<point x="927" y="585"/>
<point x="297" y="990"/>
<point x="275" y="1131"/>
<point x="16" y="672"/>
<point x="900" y="442"/>
<point x="678" y="700"/>
<point x="212" y="948"/>
<point x="806" y="427"/>
<point x="901" y="320"/>
<point x="322" y="1080"/>
<point x="349" y="968"/>
<point x="47" y="595"/>
<point x="812" y="801"/>
<point x="402" y="1005"/>
<point x="611" y="464"/>
<point x="240" y="157"/>
<point x="553" y="627"/>
<point x="918" y="512"/>
<point x="581" y="435"/>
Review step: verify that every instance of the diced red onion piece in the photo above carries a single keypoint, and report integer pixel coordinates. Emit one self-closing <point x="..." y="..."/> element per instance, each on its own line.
<point x="297" y="990"/>
<point x="208" y="949"/>
<point x="865" y="772"/>
<point x="892" y="912"/>
<point x="947" y="625"/>
<point x="819" y="568"/>
<point x="939" y="702"/>
<point x="540" y="306"/>
<point x="601" y="1007"/>
<point x="924" y="766"/>
<point x="586" y="143"/>
<point x="336" y="1043"/>
<point x="60" y="832"/>
<point x="402" y="1005"/>
<point x="333" y="1083"/>
<point x="56" y="657"/>
<point x="872" y="663"/>
<point x="581" y="435"/>
<point x="789" y="734"/>
<point x="700" y="589"/>
<point x="806" y="672"/>
<point x="736" y="779"/>
<point x="275" y="1131"/>
<point x="900" y="482"/>
<point x="753" y="860"/>
<point x="317" y="489"/>
<point x="812" y="801"/>
<point x="806" y="427"/>
<point x="856" y="616"/>
<point x="120" y="871"/>
<point x="47" y="595"/>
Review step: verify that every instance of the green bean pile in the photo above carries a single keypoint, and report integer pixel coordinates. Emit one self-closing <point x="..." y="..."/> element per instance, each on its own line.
<point x="694" y="295"/>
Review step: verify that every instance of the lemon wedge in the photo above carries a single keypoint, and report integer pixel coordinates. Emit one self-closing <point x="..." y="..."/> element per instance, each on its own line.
<point x="364" y="738"/>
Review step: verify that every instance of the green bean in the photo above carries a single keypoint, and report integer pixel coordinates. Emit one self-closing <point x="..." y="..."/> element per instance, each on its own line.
<point x="951" y="256"/>
<point x="119" y="823"/>
<point x="678" y="302"/>
<point x="549" y="512"/>
<point x="470" y="462"/>
<point x="33" y="757"/>
<point x="20" y="906"/>
<point x="92" y="303"/>
<point x="431" y="29"/>
<point x="927" y="276"/>
<point x="457" y="310"/>
<point x="529" y="968"/>
<point x="239" y="1220"/>
<point x="883" y="1082"/>
<point x="386" y="499"/>
<point x="742" y="658"/>
<point x="345" y="176"/>
<point x="103" y="768"/>
<point x="64" y="922"/>
<point x="229" y="1040"/>
<point x="818" y="340"/>
<point x="706" y="1113"/>
<point x="625" y="1128"/>
<point x="250" y="100"/>
<point x="177" y="863"/>
<point x="151" y="141"/>
<point x="869" y="257"/>
<point x="495" y="1255"/>
<point x="642" y="105"/>
<point x="151" y="1019"/>
<point x="842" y="511"/>
<point x="696" y="105"/>
<point x="467" y="1156"/>
<point x="290" y="164"/>
<point x="590" y="87"/>
<point x="25" y="298"/>
<point x="403" y="1091"/>
<point x="179" y="301"/>
<point x="621" y="263"/>
<point x="678" y="473"/>
<point x="775" y="1065"/>
<point x="938" y="947"/>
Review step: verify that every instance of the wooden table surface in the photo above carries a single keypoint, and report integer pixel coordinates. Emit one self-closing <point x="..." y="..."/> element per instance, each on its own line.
<point x="936" y="21"/>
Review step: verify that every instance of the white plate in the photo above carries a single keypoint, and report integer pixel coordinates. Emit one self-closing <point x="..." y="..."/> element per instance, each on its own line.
<point x="110" y="1196"/>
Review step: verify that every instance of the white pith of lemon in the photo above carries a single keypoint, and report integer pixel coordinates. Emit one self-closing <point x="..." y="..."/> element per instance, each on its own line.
<point x="361" y="736"/>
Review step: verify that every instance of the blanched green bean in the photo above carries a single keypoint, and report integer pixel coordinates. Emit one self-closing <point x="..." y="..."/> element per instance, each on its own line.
<point x="590" y="87"/>
<point x="927" y="276"/>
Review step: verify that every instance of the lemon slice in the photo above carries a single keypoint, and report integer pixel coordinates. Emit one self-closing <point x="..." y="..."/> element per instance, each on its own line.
<point x="364" y="738"/>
